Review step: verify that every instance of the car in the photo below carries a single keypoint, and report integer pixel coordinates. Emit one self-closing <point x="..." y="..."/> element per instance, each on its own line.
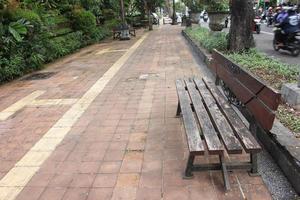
<point x="167" y="20"/>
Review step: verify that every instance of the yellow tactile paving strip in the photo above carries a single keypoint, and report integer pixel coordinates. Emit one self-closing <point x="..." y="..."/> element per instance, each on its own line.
<point x="110" y="51"/>
<point x="5" y="114"/>
<point x="15" y="180"/>
<point x="30" y="100"/>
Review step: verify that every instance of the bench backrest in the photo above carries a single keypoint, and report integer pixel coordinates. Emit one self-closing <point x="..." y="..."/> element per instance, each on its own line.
<point x="260" y="100"/>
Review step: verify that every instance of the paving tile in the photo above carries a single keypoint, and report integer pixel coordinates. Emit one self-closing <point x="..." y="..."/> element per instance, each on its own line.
<point x="105" y="180"/>
<point x="100" y="194"/>
<point x="61" y="180"/>
<point x="76" y="194"/>
<point x="83" y="180"/>
<point x="114" y="155"/>
<point x="30" y="193"/>
<point x="53" y="193"/>
<point x="110" y="167"/>
<point x="128" y="180"/>
<point x="149" y="194"/>
<point x="175" y="193"/>
<point x="130" y="166"/>
<point x="124" y="193"/>
<point x="89" y="167"/>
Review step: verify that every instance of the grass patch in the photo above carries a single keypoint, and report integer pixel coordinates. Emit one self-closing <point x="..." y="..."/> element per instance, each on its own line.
<point x="289" y="118"/>
<point x="274" y="72"/>
<point x="207" y="39"/>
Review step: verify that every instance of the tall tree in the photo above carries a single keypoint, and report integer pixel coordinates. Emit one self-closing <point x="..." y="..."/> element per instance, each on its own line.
<point x="240" y="34"/>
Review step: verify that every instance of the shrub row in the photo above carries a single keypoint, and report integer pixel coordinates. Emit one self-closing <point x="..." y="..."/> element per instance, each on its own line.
<point x="207" y="39"/>
<point x="47" y="36"/>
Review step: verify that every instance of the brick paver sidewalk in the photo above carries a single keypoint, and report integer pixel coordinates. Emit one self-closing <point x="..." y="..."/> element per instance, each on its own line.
<point x="103" y="126"/>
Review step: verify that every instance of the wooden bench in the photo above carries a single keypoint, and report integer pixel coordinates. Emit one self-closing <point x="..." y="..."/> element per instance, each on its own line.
<point x="211" y="123"/>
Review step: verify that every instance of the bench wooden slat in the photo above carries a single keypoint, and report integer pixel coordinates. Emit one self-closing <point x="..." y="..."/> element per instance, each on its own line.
<point x="266" y="94"/>
<point x="212" y="140"/>
<point x="263" y="114"/>
<point x="192" y="132"/>
<point x="246" y="138"/>
<point x="232" y="144"/>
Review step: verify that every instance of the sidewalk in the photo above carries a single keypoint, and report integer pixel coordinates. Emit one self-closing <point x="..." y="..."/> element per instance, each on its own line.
<point x="103" y="127"/>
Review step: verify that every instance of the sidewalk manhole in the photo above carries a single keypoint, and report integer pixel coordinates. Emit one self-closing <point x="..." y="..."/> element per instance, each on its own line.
<point x="39" y="76"/>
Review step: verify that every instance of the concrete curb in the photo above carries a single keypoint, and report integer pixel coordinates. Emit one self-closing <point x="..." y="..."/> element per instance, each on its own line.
<point x="279" y="142"/>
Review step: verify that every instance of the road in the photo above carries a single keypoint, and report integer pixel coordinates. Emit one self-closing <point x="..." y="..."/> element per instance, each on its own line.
<point x="264" y="43"/>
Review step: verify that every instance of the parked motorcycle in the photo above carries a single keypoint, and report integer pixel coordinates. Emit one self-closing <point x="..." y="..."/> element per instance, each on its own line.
<point x="291" y="42"/>
<point x="256" y="25"/>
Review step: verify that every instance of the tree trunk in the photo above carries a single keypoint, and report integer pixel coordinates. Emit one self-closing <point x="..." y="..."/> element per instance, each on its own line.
<point x="240" y="34"/>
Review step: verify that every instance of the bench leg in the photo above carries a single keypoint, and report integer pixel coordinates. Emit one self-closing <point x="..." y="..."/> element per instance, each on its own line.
<point x="224" y="173"/>
<point x="254" y="169"/>
<point x="178" y="112"/>
<point x="188" y="174"/>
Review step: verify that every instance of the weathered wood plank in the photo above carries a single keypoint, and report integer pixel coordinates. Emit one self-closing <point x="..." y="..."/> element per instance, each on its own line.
<point x="212" y="140"/>
<point x="194" y="141"/>
<point x="263" y="114"/>
<point x="232" y="144"/>
<point x="268" y="95"/>
<point x="246" y="138"/>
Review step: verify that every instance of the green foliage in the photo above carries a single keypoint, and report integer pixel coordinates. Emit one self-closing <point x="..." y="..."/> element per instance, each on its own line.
<point x="269" y="69"/>
<point x="84" y="21"/>
<point x="18" y="29"/>
<point x="28" y="15"/>
<point x="110" y="24"/>
<point x="194" y="6"/>
<point x="63" y="45"/>
<point x="208" y="39"/>
<point x="289" y="118"/>
<point x="9" y="69"/>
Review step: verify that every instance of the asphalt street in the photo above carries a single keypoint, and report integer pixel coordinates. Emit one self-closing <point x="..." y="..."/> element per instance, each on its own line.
<point x="264" y="42"/>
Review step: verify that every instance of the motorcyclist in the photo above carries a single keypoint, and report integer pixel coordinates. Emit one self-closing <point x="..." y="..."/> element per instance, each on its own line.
<point x="277" y="12"/>
<point x="288" y="22"/>
<point x="270" y="16"/>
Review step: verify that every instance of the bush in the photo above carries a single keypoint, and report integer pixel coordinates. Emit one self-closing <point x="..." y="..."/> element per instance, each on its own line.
<point x="110" y="24"/>
<point x="9" y="69"/>
<point x="209" y="40"/>
<point x="84" y="21"/>
<point x="28" y="15"/>
<point x="63" y="45"/>
<point x="98" y="34"/>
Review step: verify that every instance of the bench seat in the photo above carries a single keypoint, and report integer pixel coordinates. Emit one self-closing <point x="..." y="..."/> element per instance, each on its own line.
<point x="212" y="126"/>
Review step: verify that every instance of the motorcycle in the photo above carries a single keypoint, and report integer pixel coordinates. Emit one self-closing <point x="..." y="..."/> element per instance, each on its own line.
<point x="269" y="21"/>
<point x="291" y="42"/>
<point x="256" y="25"/>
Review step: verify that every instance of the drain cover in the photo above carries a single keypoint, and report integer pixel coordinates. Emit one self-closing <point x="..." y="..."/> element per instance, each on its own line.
<point x="39" y="76"/>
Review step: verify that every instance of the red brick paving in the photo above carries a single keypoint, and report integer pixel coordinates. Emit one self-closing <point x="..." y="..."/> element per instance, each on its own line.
<point x="128" y="144"/>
